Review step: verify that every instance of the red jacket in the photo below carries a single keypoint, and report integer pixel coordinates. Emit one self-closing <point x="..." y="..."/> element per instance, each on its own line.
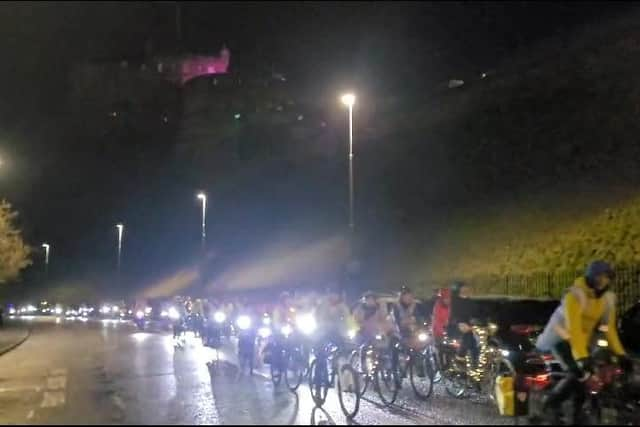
<point x="440" y="316"/>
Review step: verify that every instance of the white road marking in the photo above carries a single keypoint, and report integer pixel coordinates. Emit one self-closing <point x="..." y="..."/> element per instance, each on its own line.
<point x="31" y="414"/>
<point x="117" y="400"/>
<point x="52" y="399"/>
<point x="20" y="388"/>
<point x="56" y="383"/>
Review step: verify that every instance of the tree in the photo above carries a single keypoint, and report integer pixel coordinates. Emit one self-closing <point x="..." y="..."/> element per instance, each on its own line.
<point x="14" y="253"/>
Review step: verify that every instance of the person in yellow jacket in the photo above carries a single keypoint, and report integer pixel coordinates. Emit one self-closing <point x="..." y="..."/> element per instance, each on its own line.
<point x="587" y="305"/>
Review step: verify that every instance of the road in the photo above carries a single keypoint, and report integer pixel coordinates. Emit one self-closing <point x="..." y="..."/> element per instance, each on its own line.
<point x="74" y="372"/>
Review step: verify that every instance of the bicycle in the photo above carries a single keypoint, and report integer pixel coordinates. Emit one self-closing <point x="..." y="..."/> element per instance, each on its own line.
<point x="374" y="363"/>
<point x="418" y="362"/>
<point x="324" y="370"/>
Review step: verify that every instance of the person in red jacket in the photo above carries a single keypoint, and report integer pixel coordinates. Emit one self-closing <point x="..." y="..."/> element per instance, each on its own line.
<point x="441" y="312"/>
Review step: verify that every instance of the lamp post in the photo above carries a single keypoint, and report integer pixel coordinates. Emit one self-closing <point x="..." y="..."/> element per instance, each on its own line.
<point x="349" y="100"/>
<point x="120" y="228"/>
<point x="203" y="198"/>
<point x="46" y="247"/>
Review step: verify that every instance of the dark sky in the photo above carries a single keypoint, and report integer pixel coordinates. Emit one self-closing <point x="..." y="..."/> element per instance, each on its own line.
<point x="388" y="44"/>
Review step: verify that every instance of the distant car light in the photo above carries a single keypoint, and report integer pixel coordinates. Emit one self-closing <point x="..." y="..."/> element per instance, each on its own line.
<point x="58" y="310"/>
<point x="115" y="309"/>
<point x="105" y="309"/>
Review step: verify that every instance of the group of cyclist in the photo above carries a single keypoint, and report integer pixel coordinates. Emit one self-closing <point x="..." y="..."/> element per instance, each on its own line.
<point x="588" y="304"/>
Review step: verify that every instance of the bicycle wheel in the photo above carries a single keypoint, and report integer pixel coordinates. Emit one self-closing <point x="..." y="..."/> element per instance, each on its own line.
<point x="420" y="377"/>
<point x="318" y="384"/>
<point x="275" y="367"/>
<point x="348" y="386"/>
<point x="356" y="362"/>
<point x="294" y="370"/>
<point x="387" y="384"/>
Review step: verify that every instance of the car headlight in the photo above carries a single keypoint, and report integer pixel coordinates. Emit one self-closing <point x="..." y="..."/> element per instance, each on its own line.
<point x="264" y="332"/>
<point x="139" y="314"/>
<point x="173" y="313"/>
<point x="105" y="309"/>
<point x="306" y="323"/>
<point x="243" y="322"/>
<point x="58" y="310"/>
<point x="422" y="337"/>
<point x="286" y="330"/>
<point x="219" y="317"/>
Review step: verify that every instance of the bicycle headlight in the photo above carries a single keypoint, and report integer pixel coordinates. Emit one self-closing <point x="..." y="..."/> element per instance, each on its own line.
<point x="422" y="337"/>
<point x="306" y="323"/>
<point x="286" y="330"/>
<point x="243" y="322"/>
<point x="264" y="332"/>
<point x="139" y="314"/>
<point x="352" y="333"/>
<point x="219" y="317"/>
<point x="173" y="313"/>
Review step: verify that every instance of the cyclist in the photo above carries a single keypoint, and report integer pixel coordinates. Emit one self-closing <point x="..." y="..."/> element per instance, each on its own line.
<point x="332" y="316"/>
<point x="408" y="313"/>
<point x="588" y="303"/>
<point x="372" y="318"/>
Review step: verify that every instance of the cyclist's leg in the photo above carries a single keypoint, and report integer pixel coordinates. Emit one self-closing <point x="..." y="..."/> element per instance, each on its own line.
<point x="569" y="385"/>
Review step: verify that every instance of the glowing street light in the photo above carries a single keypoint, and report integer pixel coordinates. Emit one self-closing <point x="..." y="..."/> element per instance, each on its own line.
<point x="120" y="228"/>
<point x="349" y="99"/>
<point x="203" y="198"/>
<point x="46" y="247"/>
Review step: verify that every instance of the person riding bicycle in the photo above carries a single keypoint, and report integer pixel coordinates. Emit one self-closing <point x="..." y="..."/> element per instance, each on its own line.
<point x="588" y="303"/>
<point x="332" y="316"/>
<point x="372" y="318"/>
<point x="461" y="316"/>
<point x="408" y="313"/>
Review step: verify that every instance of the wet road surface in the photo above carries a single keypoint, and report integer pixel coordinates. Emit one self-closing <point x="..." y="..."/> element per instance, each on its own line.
<point x="98" y="372"/>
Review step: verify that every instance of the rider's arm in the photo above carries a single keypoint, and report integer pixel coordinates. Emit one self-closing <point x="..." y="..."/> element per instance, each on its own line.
<point x="612" y="334"/>
<point x="573" y="317"/>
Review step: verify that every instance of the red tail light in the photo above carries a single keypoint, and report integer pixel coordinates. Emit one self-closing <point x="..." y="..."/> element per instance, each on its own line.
<point x="537" y="382"/>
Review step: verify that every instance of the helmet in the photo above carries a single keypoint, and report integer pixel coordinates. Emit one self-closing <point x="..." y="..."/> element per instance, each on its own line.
<point x="596" y="268"/>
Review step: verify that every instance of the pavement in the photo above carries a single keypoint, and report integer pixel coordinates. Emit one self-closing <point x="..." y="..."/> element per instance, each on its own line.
<point x="12" y="334"/>
<point x="105" y="372"/>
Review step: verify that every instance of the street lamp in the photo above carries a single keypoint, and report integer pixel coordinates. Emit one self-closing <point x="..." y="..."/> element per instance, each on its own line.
<point x="349" y="100"/>
<point x="203" y="198"/>
<point x="46" y="258"/>
<point x="120" y="228"/>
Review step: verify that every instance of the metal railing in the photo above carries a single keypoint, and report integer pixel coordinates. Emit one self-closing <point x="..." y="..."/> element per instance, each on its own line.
<point x="554" y="285"/>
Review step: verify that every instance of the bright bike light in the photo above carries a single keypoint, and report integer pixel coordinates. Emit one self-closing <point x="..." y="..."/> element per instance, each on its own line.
<point x="352" y="333"/>
<point x="505" y="353"/>
<point x="139" y="314"/>
<point x="219" y="317"/>
<point x="603" y="343"/>
<point x="147" y="310"/>
<point x="306" y="323"/>
<point x="286" y="330"/>
<point x="266" y="320"/>
<point x="173" y="313"/>
<point x="164" y="313"/>
<point x="422" y="337"/>
<point x="264" y="332"/>
<point x="243" y="322"/>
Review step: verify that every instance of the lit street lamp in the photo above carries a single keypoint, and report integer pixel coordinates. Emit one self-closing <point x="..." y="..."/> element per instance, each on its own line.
<point x="349" y="100"/>
<point x="203" y="198"/>
<point x="46" y="258"/>
<point x="120" y="228"/>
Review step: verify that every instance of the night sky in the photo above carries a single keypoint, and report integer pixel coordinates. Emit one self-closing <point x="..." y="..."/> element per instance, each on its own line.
<point x="382" y="46"/>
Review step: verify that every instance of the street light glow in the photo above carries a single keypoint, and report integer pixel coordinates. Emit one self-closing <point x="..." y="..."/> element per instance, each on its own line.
<point x="348" y="99"/>
<point x="202" y="196"/>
